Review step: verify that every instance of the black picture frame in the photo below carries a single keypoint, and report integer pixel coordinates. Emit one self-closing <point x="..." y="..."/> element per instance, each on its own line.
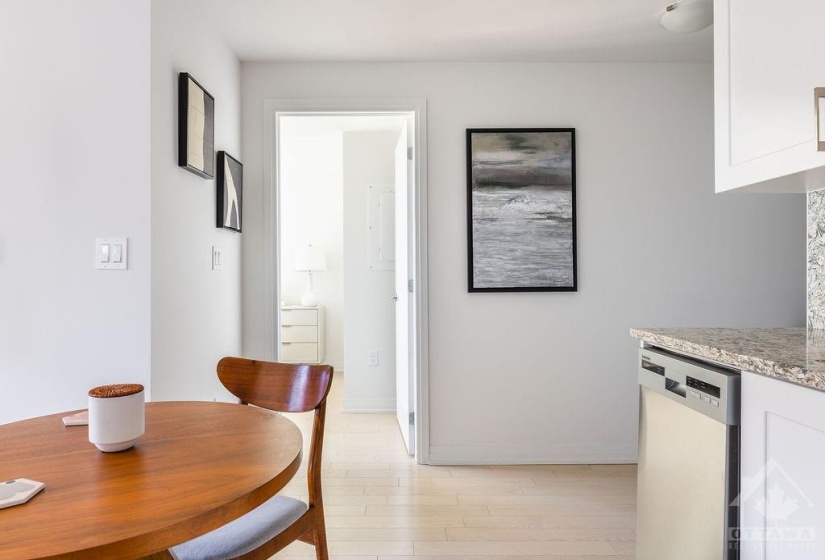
<point x="521" y="210"/>
<point x="229" y="189"/>
<point x="196" y="127"/>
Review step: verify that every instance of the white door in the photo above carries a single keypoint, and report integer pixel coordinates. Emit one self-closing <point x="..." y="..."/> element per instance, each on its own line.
<point x="403" y="379"/>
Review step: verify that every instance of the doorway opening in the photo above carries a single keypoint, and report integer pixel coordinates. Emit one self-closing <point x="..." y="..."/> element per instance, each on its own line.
<point x="345" y="219"/>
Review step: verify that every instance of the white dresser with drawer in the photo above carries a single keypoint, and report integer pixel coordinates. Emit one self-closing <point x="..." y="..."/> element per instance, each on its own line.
<point x="302" y="334"/>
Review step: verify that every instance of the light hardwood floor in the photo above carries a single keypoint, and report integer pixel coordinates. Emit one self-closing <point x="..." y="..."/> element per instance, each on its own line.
<point x="380" y="505"/>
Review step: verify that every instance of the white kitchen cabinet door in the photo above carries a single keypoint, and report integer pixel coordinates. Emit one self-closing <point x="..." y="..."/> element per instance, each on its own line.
<point x="782" y="498"/>
<point x="767" y="61"/>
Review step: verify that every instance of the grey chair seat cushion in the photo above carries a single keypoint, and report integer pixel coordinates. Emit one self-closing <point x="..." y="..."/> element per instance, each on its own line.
<point x="245" y="533"/>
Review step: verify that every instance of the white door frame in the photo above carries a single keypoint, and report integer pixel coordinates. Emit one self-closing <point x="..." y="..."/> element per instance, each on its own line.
<point x="276" y="108"/>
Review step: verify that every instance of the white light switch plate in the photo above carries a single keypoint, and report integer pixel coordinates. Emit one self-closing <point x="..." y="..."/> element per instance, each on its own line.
<point x="111" y="253"/>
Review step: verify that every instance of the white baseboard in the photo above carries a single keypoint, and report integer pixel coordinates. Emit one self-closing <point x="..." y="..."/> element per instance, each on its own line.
<point x="519" y="454"/>
<point x="338" y="366"/>
<point x="369" y="405"/>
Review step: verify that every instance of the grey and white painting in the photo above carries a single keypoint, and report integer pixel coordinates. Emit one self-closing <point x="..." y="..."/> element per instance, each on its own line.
<point x="521" y="190"/>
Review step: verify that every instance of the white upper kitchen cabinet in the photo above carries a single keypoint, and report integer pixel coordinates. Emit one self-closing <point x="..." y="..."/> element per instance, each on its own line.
<point x="768" y="58"/>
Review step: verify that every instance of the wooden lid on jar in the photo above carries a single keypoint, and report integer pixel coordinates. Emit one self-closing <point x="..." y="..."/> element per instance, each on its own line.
<point x="119" y="390"/>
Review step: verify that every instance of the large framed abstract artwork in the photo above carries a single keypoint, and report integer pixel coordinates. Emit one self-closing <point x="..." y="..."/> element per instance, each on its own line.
<point x="196" y="127"/>
<point x="521" y="209"/>
<point x="230" y="192"/>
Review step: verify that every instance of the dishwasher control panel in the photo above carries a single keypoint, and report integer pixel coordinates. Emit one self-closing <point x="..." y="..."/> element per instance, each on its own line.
<point x="709" y="393"/>
<point x="700" y="385"/>
<point x="707" y="388"/>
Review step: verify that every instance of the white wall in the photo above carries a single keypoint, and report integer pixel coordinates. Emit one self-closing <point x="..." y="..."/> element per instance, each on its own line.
<point x="196" y="312"/>
<point x="369" y="313"/>
<point x="531" y="377"/>
<point x="312" y="212"/>
<point x="74" y="148"/>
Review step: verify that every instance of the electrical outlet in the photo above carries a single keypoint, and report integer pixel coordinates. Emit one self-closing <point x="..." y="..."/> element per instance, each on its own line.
<point x="372" y="358"/>
<point x="217" y="257"/>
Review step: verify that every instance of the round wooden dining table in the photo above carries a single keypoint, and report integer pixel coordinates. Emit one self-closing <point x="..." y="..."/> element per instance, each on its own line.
<point x="198" y="466"/>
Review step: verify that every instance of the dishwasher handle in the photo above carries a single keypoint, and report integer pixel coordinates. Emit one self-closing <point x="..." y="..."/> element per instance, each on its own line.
<point x="675" y="387"/>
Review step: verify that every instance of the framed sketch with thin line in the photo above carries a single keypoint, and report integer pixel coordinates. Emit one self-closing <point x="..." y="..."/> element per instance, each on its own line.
<point x="521" y="209"/>
<point x="196" y="127"/>
<point x="229" y="192"/>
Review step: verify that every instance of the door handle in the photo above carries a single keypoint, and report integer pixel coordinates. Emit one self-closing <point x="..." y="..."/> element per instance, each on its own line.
<point x="394" y="297"/>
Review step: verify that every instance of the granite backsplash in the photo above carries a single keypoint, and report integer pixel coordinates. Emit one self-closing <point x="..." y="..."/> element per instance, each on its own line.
<point x="816" y="260"/>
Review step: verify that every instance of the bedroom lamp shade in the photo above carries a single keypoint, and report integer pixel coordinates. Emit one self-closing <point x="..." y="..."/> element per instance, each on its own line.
<point x="307" y="259"/>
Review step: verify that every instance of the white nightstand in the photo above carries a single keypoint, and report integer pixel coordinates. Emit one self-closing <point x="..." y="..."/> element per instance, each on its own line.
<point x="302" y="334"/>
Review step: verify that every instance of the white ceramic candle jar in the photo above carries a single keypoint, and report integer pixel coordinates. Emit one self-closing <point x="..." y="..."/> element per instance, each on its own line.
<point x="116" y="416"/>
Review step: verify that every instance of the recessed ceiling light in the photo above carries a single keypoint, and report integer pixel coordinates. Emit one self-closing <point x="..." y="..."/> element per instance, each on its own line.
<point x="687" y="16"/>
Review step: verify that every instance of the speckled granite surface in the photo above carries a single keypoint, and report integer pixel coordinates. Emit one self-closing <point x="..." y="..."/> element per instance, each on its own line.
<point x="795" y="355"/>
<point x="816" y="259"/>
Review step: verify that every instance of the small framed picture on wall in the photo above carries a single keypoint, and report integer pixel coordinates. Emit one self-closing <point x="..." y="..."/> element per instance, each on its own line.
<point x="229" y="192"/>
<point x="196" y="127"/>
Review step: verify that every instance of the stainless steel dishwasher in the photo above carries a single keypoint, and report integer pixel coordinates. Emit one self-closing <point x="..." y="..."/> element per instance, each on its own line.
<point x="688" y="459"/>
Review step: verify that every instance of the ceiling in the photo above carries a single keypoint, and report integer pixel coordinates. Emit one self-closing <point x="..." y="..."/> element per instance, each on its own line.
<point x="451" y="30"/>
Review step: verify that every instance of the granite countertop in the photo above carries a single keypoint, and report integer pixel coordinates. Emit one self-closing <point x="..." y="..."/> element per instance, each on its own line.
<point x="796" y="355"/>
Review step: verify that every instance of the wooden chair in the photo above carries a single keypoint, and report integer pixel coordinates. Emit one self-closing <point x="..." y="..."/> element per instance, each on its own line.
<point x="280" y="520"/>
